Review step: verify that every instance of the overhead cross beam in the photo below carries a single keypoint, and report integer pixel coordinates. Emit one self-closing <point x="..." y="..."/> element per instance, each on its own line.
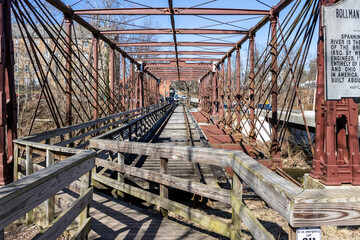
<point x="180" y="59"/>
<point x="180" y="53"/>
<point x="180" y="44"/>
<point x="178" y="64"/>
<point x="173" y="31"/>
<point x="176" y="11"/>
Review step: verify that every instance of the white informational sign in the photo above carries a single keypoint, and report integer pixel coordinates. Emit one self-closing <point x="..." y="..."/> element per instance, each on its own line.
<point x="341" y="23"/>
<point x="308" y="233"/>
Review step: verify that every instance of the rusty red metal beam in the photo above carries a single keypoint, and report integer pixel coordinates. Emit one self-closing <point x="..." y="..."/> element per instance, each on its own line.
<point x="68" y="113"/>
<point x="174" y="70"/>
<point x="180" y="64"/>
<point x="280" y="6"/>
<point x="172" y="19"/>
<point x="180" y="59"/>
<point x="180" y="44"/>
<point x="8" y="116"/>
<point x="171" y="31"/>
<point x="180" y="53"/>
<point x="174" y="74"/>
<point x="167" y="11"/>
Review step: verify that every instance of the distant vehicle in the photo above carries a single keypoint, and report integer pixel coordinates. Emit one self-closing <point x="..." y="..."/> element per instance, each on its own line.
<point x="265" y="106"/>
<point x="172" y="92"/>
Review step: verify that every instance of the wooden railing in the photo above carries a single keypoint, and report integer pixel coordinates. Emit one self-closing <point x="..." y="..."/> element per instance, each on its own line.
<point x="299" y="207"/>
<point x="43" y="169"/>
<point x="38" y="187"/>
<point x="78" y="135"/>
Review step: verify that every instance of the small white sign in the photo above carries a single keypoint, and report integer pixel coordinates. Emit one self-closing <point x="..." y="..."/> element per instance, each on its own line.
<point x="341" y="23"/>
<point x="308" y="233"/>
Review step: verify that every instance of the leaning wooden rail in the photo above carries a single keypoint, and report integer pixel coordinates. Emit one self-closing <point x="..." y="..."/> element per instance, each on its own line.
<point x="123" y="117"/>
<point x="158" y="113"/>
<point x="20" y="197"/>
<point x="299" y="207"/>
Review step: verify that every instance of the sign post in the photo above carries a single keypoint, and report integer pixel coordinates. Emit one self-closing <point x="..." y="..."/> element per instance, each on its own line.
<point x="341" y="23"/>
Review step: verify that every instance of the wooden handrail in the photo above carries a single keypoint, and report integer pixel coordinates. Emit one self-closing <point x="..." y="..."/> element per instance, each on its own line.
<point x="62" y="131"/>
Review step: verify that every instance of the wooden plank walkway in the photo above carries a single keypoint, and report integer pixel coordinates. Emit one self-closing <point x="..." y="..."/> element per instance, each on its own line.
<point x="115" y="219"/>
<point x="175" y="132"/>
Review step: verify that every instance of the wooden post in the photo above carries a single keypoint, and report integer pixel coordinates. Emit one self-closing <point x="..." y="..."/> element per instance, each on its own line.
<point x="85" y="185"/>
<point x="120" y="176"/>
<point x="292" y="233"/>
<point x="96" y="77"/>
<point x="29" y="171"/>
<point x="50" y="203"/>
<point x="164" y="191"/>
<point x="237" y="190"/>
<point x="16" y="162"/>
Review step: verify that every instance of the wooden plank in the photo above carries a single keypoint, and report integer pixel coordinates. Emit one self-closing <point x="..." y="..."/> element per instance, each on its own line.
<point x="21" y="196"/>
<point x="59" y="225"/>
<point x="254" y="226"/>
<point x="327" y="207"/>
<point x="44" y="147"/>
<point x="217" y="157"/>
<point x="212" y="223"/>
<point x="218" y="194"/>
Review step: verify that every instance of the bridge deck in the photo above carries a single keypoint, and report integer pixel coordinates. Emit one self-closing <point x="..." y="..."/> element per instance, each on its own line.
<point x="175" y="132"/>
<point x="115" y="219"/>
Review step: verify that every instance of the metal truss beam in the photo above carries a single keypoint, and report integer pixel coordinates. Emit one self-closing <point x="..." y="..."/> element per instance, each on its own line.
<point x="179" y="44"/>
<point x="171" y="31"/>
<point x="180" y="59"/>
<point x="177" y="11"/>
<point x="180" y="53"/>
<point x="180" y="64"/>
